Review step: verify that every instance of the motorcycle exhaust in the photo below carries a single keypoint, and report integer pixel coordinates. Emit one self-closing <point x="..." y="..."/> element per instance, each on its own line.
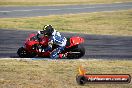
<point x="73" y="52"/>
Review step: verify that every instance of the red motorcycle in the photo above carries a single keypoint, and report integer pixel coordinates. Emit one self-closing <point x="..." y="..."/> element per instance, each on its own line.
<point x="74" y="47"/>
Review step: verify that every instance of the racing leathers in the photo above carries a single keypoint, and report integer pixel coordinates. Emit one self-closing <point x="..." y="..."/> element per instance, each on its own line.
<point x="57" y="39"/>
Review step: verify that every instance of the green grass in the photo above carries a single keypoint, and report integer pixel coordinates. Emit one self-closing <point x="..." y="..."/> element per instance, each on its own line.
<point x="58" y="73"/>
<point x="57" y="2"/>
<point x="104" y="23"/>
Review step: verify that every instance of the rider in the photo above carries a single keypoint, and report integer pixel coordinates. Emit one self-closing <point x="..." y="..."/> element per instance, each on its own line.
<point x="54" y="38"/>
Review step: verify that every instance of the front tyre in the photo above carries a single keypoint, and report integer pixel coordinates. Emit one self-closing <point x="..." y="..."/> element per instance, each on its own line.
<point x="22" y="52"/>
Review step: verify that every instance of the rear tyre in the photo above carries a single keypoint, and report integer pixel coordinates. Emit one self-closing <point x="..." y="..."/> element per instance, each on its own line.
<point x="80" y="49"/>
<point x="80" y="52"/>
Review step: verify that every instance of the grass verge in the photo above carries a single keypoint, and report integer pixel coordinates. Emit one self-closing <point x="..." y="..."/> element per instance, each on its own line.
<point x="58" y="73"/>
<point x="56" y="2"/>
<point x="105" y="23"/>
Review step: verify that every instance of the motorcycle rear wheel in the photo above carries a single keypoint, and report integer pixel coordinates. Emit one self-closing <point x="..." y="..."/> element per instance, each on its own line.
<point x="79" y="52"/>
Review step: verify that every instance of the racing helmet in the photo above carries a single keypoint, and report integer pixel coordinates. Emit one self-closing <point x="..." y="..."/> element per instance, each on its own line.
<point x="48" y="30"/>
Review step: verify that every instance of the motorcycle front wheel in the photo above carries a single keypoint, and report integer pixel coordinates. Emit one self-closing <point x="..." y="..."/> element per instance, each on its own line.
<point x="23" y="53"/>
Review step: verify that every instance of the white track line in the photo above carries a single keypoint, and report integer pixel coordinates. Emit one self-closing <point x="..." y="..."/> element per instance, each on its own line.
<point x="48" y="59"/>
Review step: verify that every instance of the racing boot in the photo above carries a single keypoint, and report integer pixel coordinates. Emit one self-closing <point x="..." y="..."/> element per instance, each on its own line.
<point x="41" y="49"/>
<point x="63" y="56"/>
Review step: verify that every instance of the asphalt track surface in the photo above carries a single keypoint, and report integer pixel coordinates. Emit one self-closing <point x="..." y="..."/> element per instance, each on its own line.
<point x="97" y="46"/>
<point x="31" y="11"/>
